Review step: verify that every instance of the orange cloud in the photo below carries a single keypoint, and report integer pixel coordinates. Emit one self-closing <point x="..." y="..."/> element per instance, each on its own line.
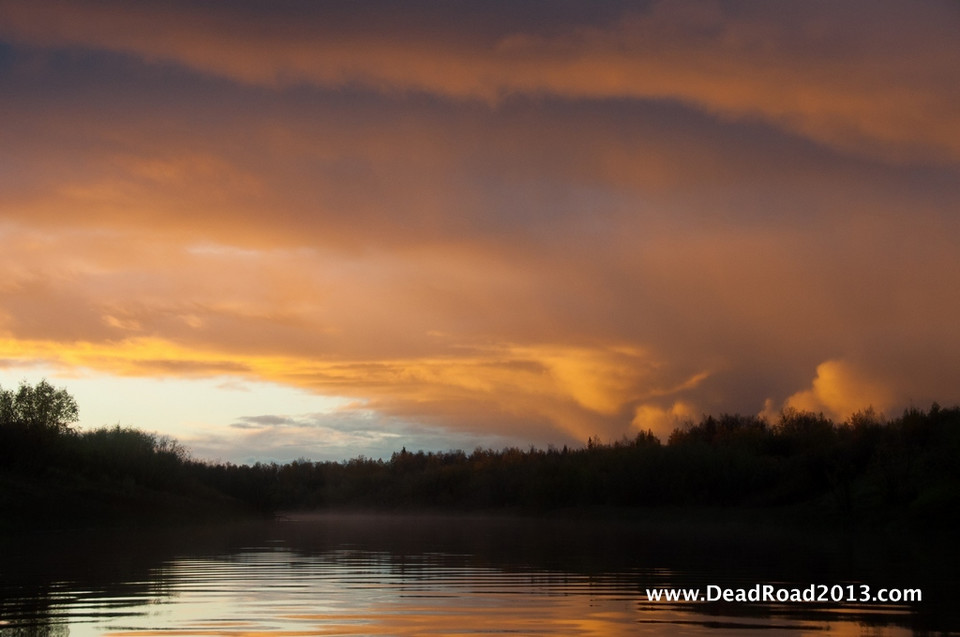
<point x="838" y="74"/>
<point x="663" y="420"/>
<point x="840" y="390"/>
<point x="566" y="227"/>
<point x="581" y="391"/>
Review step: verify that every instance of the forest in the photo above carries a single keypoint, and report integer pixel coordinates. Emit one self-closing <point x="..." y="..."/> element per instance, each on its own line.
<point x="865" y="470"/>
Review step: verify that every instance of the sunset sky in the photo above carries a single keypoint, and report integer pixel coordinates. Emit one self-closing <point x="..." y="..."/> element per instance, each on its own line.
<point x="291" y="228"/>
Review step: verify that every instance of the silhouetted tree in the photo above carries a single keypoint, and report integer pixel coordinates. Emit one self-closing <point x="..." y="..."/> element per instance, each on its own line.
<point x="39" y="407"/>
<point x="866" y="467"/>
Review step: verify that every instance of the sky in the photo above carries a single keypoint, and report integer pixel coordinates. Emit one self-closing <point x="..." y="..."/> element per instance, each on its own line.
<point x="288" y="229"/>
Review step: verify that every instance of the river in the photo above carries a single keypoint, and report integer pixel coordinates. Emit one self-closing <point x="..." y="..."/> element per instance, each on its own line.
<point x="442" y="575"/>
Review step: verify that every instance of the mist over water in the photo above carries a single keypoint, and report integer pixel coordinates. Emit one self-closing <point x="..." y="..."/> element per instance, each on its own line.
<point x="383" y="575"/>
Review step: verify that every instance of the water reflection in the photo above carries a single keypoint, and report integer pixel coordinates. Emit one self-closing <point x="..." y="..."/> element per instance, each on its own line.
<point x="369" y="575"/>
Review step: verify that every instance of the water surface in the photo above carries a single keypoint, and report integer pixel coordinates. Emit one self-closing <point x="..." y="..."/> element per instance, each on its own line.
<point x="381" y="575"/>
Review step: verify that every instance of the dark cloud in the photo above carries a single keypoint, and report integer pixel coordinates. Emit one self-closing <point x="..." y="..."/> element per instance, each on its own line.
<point x="254" y="422"/>
<point x="840" y="74"/>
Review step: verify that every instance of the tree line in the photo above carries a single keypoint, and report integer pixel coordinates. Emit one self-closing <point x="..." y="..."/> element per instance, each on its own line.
<point x="865" y="468"/>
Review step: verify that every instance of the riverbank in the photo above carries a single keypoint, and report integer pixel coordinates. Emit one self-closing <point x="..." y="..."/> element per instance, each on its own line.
<point x="805" y="470"/>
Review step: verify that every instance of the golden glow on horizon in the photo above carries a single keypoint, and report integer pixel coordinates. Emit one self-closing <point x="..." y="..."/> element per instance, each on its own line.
<point x="575" y="387"/>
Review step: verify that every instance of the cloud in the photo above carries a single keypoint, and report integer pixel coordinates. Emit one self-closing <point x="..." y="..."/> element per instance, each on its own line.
<point x="258" y="422"/>
<point x="334" y="436"/>
<point x="556" y="226"/>
<point x="663" y="420"/>
<point x="838" y="74"/>
<point x="549" y="390"/>
<point x="840" y="390"/>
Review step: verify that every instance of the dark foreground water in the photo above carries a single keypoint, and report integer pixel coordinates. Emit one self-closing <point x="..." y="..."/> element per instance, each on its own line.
<point x="380" y="575"/>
